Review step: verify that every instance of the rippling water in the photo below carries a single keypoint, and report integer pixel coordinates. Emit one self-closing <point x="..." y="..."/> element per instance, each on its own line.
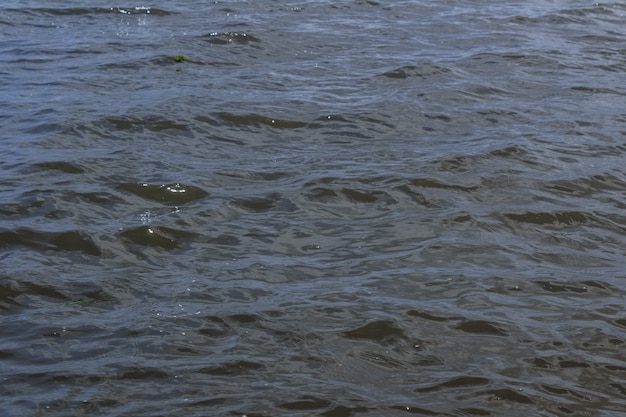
<point x="322" y="208"/>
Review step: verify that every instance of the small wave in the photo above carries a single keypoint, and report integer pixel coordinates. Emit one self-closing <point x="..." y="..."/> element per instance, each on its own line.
<point x="456" y="384"/>
<point x="263" y="204"/>
<point x="428" y="316"/>
<point x="140" y="373"/>
<point x="324" y="194"/>
<point x="553" y="287"/>
<point x="329" y="189"/>
<point x="239" y="367"/>
<point x="168" y="193"/>
<point x="151" y="123"/>
<point x="558" y="219"/>
<point x="100" y="10"/>
<point x="255" y="176"/>
<point x="423" y="71"/>
<point x="253" y="119"/>
<point x="159" y="237"/>
<point x="225" y="38"/>
<point x="432" y="183"/>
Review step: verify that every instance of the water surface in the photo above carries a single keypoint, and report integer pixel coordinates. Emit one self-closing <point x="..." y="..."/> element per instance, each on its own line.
<point x="346" y="208"/>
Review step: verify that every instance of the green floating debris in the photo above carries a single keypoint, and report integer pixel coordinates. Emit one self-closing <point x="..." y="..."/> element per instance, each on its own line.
<point x="81" y="302"/>
<point x="180" y="58"/>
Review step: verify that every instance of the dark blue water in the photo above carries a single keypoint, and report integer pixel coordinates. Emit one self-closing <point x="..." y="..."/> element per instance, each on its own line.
<point x="346" y="208"/>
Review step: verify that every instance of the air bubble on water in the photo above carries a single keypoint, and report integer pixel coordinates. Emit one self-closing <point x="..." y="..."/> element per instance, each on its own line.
<point x="146" y="217"/>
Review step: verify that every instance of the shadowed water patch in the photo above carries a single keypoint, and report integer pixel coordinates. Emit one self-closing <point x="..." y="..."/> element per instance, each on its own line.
<point x="433" y="183"/>
<point x="586" y="186"/>
<point x="481" y="327"/>
<point x="306" y="402"/>
<point x="142" y="373"/>
<point x="263" y="204"/>
<point x="66" y="167"/>
<point x="239" y="367"/>
<point x="564" y="218"/>
<point x="11" y="290"/>
<point x="507" y="394"/>
<point x="344" y="411"/>
<point x="377" y="331"/>
<point x="72" y="241"/>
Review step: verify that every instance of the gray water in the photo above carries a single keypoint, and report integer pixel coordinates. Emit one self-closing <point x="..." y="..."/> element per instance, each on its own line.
<point x="320" y="208"/>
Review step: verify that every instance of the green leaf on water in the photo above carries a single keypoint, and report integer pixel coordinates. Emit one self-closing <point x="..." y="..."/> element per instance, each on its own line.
<point x="180" y="58"/>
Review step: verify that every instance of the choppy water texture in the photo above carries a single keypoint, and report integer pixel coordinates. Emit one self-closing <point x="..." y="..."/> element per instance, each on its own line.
<point x="322" y="208"/>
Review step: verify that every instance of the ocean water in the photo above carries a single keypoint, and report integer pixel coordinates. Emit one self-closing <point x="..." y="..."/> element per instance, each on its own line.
<point x="313" y="208"/>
